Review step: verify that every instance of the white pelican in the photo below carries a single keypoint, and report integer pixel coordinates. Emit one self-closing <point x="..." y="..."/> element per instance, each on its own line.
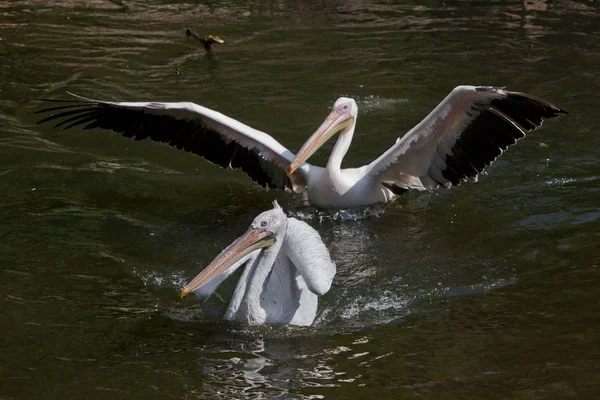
<point x="287" y="268"/>
<point x="464" y="134"/>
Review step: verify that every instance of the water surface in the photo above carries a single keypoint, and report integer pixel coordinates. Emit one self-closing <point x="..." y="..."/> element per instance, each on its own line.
<point x="490" y="289"/>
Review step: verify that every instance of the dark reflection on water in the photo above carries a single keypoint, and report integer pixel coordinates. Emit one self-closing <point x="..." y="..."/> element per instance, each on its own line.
<point x="490" y="289"/>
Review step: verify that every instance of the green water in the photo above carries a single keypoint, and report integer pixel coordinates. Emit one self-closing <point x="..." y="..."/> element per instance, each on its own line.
<point x="490" y="290"/>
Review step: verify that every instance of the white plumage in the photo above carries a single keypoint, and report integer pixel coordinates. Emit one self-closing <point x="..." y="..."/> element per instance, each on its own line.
<point x="286" y="267"/>
<point x="463" y="135"/>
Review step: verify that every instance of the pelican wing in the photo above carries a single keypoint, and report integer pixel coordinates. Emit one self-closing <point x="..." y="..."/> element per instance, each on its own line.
<point x="187" y="126"/>
<point x="463" y="135"/>
<point x="305" y="249"/>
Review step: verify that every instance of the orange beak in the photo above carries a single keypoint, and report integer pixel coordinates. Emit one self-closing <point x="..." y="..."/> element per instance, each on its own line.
<point x="335" y="122"/>
<point x="253" y="239"/>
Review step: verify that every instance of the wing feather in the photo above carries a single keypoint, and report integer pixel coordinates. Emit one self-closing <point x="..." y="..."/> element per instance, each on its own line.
<point x="462" y="136"/>
<point x="189" y="127"/>
<point x="305" y="249"/>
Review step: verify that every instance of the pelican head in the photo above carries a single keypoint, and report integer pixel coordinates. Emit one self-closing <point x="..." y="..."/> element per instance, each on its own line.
<point x="262" y="233"/>
<point x="341" y="119"/>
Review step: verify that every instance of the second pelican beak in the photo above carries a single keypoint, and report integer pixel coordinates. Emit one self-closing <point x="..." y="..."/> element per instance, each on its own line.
<point x="335" y="122"/>
<point x="253" y="239"/>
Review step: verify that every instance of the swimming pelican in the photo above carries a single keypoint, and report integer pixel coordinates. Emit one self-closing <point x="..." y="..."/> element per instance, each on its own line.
<point x="287" y="267"/>
<point x="464" y="134"/>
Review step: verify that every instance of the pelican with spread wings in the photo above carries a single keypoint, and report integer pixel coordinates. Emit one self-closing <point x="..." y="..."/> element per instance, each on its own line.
<point x="463" y="135"/>
<point x="286" y="267"/>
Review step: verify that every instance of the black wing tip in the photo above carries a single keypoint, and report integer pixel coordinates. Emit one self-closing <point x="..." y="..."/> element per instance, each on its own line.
<point x="44" y="110"/>
<point x="77" y="99"/>
<point x="529" y="112"/>
<point x="77" y="102"/>
<point x="552" y="108"/>
<point x="560" y="111"/>
<point x="59" y="100"/>
<point x="555" y="112"/>
<point x="67" y="114"/>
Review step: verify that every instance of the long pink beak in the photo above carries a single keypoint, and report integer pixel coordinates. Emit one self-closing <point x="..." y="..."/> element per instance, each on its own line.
<point x="336" y="121"/>
<point x="253" y="239"/>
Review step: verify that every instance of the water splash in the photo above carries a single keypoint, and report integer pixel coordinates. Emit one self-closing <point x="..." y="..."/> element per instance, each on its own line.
<point x="364" y="310"/>
<point x="567" y="181"/>
<point x="374" y="103"/>
<point x="160" y="279"/>
<point x="350" y="214"/>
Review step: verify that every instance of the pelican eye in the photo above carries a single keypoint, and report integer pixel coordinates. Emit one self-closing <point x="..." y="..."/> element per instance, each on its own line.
<point x="264" y="224"/>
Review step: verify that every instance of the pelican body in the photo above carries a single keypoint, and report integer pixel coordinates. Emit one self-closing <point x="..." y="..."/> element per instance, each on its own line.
<point x="286" y="267"/>
<point x="462" y="136"/>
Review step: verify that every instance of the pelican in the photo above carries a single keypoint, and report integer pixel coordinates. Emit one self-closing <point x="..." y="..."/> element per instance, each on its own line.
<point x="287" y="267"/>
<point x="463" y="135"/>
